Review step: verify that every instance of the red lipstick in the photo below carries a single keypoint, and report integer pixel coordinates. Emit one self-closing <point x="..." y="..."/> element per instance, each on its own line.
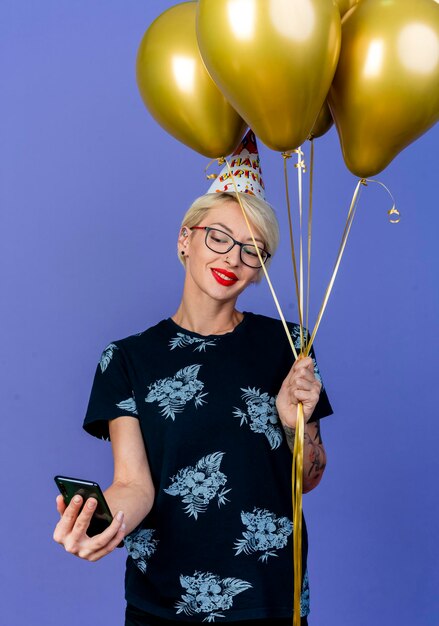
<point x="223" y="277"/>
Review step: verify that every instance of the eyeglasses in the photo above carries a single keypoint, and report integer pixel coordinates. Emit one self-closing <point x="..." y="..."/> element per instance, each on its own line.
<point x="219" y="241"/>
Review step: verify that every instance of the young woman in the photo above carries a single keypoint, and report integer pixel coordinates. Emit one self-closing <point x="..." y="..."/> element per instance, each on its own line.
<point x="201" y="413"/>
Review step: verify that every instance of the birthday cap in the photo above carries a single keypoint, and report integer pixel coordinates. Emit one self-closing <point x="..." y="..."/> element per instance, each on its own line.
<point x="246" y="170"/>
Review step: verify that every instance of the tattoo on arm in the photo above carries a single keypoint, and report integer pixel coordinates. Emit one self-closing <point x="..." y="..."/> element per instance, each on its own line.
<point x="315" y="452"/>
<point x="318" y="436"/>
<point x="290" y="434"/>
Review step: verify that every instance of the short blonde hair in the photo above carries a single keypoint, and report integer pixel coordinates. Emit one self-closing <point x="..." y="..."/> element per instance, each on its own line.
<point x="260" y="213"/>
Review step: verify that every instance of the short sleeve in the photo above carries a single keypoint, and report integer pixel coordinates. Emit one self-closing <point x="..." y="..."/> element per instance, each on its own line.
<point x="323" y="407"/>
<point x="111" y="394"/>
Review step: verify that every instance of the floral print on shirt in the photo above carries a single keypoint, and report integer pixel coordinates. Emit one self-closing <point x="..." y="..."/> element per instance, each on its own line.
<point x="128" y="405"/>
<point x="107" y="355"/>
<point x="182" y="341"/>
<point x="261" y="415"/>
<point x="295" y="335"/>
<point x="264" y="533"/>
<point x="209" y="594"/>
<point x="174" y="392"/>
<point x="304" y="596"/>
<point x="141" y="546"/>
<point x="198" y="485"/>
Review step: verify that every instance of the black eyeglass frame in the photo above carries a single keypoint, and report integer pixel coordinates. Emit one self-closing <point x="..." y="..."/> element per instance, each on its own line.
<point x="235" y="243"/>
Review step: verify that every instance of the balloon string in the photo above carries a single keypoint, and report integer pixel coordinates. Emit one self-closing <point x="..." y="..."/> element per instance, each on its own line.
<point x="297" y="484"/>
<point x="345" y="235"/>
<point x="297" y="490"/>
<point x="347" y="228"/>
<point x="393" y="210"/>
<point x="300" y="165"/>
<point x="285" y="156"/>
<point x="264" y="269"/>
<point x="310" y="208"/>
<point x="297" y="462"/>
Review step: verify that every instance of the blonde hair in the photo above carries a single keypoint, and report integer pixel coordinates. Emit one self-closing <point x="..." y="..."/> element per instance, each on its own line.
<point x="260" y="214"/>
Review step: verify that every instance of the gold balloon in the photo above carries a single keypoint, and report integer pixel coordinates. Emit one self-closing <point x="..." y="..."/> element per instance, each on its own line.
<point x="323" y="122"/>
<point x="345" y="5"/>
<point x="177" y="89"/>
<point x="274" y="60"/>
<point x="385" y="92"/>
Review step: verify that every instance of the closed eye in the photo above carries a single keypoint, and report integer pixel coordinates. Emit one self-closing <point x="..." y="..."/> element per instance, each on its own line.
<point x="217" y="236"/>
<point x="218" y="239"/>
<point x="251" y="251"/>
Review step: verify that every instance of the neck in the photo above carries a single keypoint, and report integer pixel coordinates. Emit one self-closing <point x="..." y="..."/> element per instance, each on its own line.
<point x="210" y="318"/>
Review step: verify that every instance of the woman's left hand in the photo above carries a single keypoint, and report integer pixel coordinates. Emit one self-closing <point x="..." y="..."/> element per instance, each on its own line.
<point x="300" y="385"/>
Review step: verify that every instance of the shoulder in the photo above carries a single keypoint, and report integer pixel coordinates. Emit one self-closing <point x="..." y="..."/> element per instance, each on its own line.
<point x="137" y="341"/>
<point x="144" y="335"/>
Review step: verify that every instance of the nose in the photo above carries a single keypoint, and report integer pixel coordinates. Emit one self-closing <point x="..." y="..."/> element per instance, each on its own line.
<point x="233" y="256"/>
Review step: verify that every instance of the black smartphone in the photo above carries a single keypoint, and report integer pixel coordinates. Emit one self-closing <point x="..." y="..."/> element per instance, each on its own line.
<point x="102" y="516"/>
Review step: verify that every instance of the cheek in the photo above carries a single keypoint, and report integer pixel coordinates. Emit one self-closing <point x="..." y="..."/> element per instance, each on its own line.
<point x="249" y="278"/>
<point x="198" y="255"/>
<point x="253" y="276"/>
<point x="259" y="276"/>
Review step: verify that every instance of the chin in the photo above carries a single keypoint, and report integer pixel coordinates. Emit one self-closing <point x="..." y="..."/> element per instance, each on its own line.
<point x="224" y="294"/>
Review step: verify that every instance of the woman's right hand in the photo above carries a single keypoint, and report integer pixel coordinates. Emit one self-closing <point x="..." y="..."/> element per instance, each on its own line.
<point x="71" y="530"/>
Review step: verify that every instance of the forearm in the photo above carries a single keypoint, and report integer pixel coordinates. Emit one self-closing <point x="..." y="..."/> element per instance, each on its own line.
<point x="314" y="455"/>
<point x="133" y="499"/>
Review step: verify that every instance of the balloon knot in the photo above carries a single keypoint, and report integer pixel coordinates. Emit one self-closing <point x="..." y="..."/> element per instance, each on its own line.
<point x="301" y="164"/>
<point x="220" y="161"/>
<point x="394" y="211"/>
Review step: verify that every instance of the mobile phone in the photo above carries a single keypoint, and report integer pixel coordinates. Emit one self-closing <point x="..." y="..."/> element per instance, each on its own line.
<point x="102" y="516"/>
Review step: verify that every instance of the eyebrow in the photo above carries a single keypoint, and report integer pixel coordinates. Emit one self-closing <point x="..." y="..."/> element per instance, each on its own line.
<point x="229" y="231"/>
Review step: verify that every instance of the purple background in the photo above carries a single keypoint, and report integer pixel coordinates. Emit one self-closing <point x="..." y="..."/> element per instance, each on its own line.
<point x="92" y="192"/>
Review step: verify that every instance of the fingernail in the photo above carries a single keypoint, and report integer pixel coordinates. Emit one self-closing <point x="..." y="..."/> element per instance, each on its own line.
<point x="123" y="526"/>
<point x="119" y="516"/>
<point x="91" y="503"/>
<point x="77" y="499"/>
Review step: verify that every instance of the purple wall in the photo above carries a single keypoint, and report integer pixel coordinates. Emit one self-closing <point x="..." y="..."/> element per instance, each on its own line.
<point x="92" y="191"/>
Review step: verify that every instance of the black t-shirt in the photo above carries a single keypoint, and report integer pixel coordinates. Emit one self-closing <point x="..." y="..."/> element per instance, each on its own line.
<point x="217" y="544"/>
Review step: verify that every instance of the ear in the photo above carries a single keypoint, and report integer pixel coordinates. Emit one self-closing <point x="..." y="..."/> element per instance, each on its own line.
<point x="183" y="241"/>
